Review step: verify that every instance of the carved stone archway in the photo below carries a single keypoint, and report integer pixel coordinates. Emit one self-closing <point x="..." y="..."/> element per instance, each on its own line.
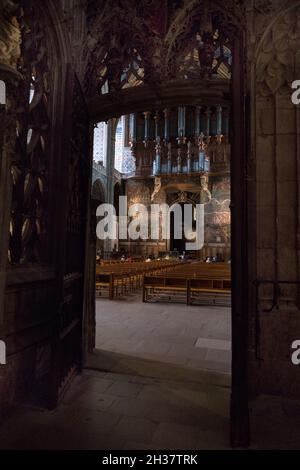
<point x="276" y="199"/>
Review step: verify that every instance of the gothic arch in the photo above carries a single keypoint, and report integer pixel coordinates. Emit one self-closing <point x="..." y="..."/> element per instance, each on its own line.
<point x="113" y="37"/>
<point x="57" y="34"/>
<point x="233" y="11"/>
<point x="231" y="16"/>
<point x="98" y="191"/>
<point x="113" y="41"/>
<point x="277" y="57"/>
<point x="164" y="87"/>
<point x="275" y="14"/>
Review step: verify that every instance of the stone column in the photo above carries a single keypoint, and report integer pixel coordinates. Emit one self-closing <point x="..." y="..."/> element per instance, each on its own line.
<point x="110" y="168"/>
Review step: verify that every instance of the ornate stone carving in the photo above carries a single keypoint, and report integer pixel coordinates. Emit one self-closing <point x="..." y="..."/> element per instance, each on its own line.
<point x="278" y="59"/>
<point x="30" y="165"/>
<point x="205" y="194"/>
<point x="127" y="50"/>
<point x="10" y="36"/>
<point x="157" y="188"/>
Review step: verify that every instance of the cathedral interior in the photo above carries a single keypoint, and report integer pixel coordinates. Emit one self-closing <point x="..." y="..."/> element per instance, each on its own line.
<point x="138" y="343"/>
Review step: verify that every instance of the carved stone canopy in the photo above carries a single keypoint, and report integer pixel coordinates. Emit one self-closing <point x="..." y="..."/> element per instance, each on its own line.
<point x="132" y="43"/>
<point x="10" y="35"/>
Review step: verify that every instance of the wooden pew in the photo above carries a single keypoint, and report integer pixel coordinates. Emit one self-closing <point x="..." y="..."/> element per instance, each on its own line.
<point x="215" y="291"/>
<point x="168" y="285"/>
<point x="198" y="281"/>
<point x="105" y="283"/>
<point x="124" y="278"/>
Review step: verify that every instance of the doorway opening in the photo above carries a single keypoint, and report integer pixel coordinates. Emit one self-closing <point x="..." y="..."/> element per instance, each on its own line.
<point x="177" y="244"/>
<point x="220" y="88"/>
<point x="155" y="300"/>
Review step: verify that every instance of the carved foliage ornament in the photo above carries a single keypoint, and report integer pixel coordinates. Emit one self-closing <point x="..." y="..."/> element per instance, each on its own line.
<point x="129" y="46"/>
<point x="30" y="166"/>
<point x="10" y="36"/>
<point x="279" y="59"/>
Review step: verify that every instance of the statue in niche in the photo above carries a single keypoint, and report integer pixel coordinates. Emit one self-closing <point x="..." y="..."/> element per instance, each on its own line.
<point x="157" y="188"/>
<point x="205" y="194"/>
<point x="10" y="35"/>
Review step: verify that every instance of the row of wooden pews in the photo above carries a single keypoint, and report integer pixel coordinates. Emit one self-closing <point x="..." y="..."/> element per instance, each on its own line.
<point x="115" y="280"/>
<point x="193" y="283"/>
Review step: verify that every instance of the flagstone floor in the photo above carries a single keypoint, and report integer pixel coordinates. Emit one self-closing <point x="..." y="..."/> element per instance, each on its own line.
<point x="105" y="411"/>
<point x="190" y="336"/>
<point x="173" y="392"/>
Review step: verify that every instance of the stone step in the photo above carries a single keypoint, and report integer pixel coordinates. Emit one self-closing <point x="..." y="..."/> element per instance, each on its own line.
<point x="108" y="361"/>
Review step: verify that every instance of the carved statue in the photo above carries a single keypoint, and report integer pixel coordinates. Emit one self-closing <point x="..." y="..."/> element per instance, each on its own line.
<point x="157" y="188"/>
<point x="10" y="36"/>
<point x="205" y="194"/>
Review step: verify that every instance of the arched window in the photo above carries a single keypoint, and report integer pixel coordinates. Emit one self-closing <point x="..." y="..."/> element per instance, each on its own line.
<point x="100" y="143"/>
<point x="124" y="160"/>
<point x="119" y="149"/>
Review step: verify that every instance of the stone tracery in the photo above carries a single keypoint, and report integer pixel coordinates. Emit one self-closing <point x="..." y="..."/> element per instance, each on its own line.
<point x="279" y="57"/>
<point x="198" y="46"/>
<point x="29" y="163"/>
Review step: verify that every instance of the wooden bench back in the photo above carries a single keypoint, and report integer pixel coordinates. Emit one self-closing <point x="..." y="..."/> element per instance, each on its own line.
<point x="175" y="282"/>
<point x="103" y="278"/>
<point x="198" y="272"/>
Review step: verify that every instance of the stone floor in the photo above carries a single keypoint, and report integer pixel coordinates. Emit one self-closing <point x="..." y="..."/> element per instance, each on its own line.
<point x="177" y="398"/>
<point x="189" y="336"/>
<point x="105" y="411"/>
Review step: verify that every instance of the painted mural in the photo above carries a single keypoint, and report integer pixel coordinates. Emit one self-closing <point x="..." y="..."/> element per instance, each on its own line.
<point x="217" y="213"/>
